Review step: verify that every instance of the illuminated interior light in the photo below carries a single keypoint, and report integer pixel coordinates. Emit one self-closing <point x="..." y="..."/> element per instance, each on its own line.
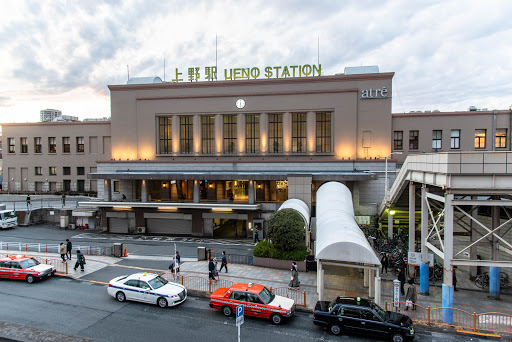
<point x="122" y="207"/>
<point x="222" y="209"/>
<point x="167" y="208"/>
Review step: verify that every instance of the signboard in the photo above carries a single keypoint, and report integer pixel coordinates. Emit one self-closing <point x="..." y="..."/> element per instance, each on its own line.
<point x="239" y="315"/>
<point x="396" y="292"/>
<point x="414" y="258"/>
<point x="363" y="220"/>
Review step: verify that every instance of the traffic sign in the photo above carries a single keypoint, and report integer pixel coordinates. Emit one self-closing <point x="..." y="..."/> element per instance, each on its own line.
<point x="239" y="315"/>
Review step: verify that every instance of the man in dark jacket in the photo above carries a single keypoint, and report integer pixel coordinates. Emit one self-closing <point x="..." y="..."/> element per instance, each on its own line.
<point x="224" y="262"/>
<point x="80" y="260"/>
<point x="401" y="277"/>
<point x="69" y="245"/>
<point x="211" y="269"/>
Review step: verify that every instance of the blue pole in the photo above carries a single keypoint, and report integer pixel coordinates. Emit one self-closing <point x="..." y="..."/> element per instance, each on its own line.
<point x="447" y="301"/>
<point x="494" y="282"/>
<point x="424" y="278"/>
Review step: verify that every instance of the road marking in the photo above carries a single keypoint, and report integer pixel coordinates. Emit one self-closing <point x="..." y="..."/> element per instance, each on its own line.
<point x="477" y="333"/>
<point x="98" y="282"/>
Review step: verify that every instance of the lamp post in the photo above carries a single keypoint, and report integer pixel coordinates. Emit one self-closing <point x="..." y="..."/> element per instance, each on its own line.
<point x="386" y="176"/>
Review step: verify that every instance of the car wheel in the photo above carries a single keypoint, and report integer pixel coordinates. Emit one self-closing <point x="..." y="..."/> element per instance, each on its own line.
<point x="397" y="338"/>
<point x="120" y="296"/>
<point x="276" y="318"/>
<point x="30" y="279"/>
<point x="162" y="302"/>
<point x="227" y="311"/>
<point x="335" y="329"/>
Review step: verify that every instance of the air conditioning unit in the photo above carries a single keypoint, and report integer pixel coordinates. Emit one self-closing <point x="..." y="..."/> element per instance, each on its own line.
<point x="141" y="230"/>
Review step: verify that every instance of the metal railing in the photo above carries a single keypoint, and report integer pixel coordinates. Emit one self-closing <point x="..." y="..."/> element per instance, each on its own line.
<point x="40" y="203"/>
<point x="52" y="248"/>
<point x="456" y="318"/>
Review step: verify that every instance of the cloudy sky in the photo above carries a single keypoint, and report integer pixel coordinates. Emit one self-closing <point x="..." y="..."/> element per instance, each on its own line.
<point x="446" y="55"/>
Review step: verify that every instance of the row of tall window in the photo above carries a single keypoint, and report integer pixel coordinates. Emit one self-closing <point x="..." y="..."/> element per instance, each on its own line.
<point x="66" y="171"/>
<point x="252" y="133"/>
<point x="52" y="145"/>
<point x="455" y="136"/>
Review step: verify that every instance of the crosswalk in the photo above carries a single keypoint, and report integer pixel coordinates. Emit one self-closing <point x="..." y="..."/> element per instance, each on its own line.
<point x="163" y="239"/>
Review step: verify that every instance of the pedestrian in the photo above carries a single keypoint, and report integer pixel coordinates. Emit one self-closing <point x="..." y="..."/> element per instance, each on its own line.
<point x="412" y="296"/>
<point x="256" y="235"/>
<point x="28" y="201"/>
<point x="215" y="271"/>
<point x="80" y="260"/>
<point x="401" y="277"/>
<point x="224" y="262"/>
<point x="63" y="200"/>
<point x="294" y="279"/>
<point x="123" y="198"/>
<point x="178" y="261"/>
<point x="211" y="268"/>
<point x="385" y="262"/>
<point x="455" y="279"/>
<point x="63" y="251"/>
<point x="172" y="265"/>
<point x="69" y="246"/>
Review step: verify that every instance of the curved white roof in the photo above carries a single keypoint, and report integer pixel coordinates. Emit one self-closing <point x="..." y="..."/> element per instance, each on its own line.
<point x="144" y="80"/>
<point x="338" y="237"/>
<point x="300" y="206"/>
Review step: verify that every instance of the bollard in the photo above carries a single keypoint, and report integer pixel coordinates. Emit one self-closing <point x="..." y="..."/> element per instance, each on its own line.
<point x="386" y="305"/>
<point x="87" y="253"/>
<point x="125" y="251"/>
<point x="7" y="245"/>
<point x="26" y="247"/>
<point x="46" y="249"/>
<point x="428" y="314"/>
<point x="474" y="321"/>
<point x="229" y="258"/>
<point x="103" y="251"/>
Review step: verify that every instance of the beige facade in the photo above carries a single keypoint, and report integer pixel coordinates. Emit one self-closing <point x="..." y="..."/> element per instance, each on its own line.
<point x="53" y="157"/>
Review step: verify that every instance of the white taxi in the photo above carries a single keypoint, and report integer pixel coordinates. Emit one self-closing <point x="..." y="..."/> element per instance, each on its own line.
<point x="147" y="288"/>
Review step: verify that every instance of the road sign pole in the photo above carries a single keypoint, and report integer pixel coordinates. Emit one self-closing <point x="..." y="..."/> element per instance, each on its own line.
<point x="239" y="318"/>
<point x="238" y="333"/>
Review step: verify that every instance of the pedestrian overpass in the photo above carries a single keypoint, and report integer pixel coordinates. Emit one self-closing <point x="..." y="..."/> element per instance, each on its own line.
<point x="464" y="200"/>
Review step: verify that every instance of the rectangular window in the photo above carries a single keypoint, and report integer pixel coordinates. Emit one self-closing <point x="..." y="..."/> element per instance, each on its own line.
<point x="413" y="140"/>
<point x="116" y="186"/>
<point x="52" y="171"/>
<point x="501" y="138"/>
<point x="24" y="145"/>
<point x="186" y="134"/>
<point x="165" y="135"/>
<point x="229" y="133"/>
<point x="323" y="132"/>
<point x="208" y="134"/>
<point x="38" y="171"/>
<point x="398" y="140"/>
<point x="80" y="171"/>
<point x="455" y="139"/>
<point x="480" y="138"/>
<point x="275" y="133"/>
<point x="80" y="147"/>
<point x="66" y="171"/>
<point x="52" y="145"/>
<point x="252" y="133"/>
<point x="66" y="145"/>
<point x="38" y="147"/>
<point x="298" y="132"/>
<point x="11" y="143"/>
<point x="437" y="137"/>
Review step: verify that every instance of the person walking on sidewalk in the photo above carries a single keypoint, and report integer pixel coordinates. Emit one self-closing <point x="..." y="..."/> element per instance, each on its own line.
<point x="215" y="271"/>
<point x="69" y="247"/>
<point x="385" y="262"/>
<point x="28" y="202"/>
<point x="178" y="261"/>
<point x="455" y="278"/>
<point x="80" y="260"/>
<point x="401" y="277"/>
<point x="411" y="296"/>
<point x="294" y="279"/>
<point x="63" y="200"/>
<point x="224" y="262"/>
<point x="63" y="251"/>
<point x="211" y="268"/>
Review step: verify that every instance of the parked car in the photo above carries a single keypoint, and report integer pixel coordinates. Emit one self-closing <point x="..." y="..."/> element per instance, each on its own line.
<point x="25" y="268"/>
<point x="8" y="219"/>
<point x="358" y="315"/>
<point x="257" y="300"/>
<point x="147" y="288"/>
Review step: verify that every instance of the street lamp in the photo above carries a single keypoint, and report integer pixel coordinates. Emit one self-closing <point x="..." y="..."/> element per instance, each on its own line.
<point x="386" y="181"/>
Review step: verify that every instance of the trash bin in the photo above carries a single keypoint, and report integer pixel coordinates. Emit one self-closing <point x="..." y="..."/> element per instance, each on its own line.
<point x="201" y="253"/>
<point x="118" y="250"/>
<point x="64" y="221"/>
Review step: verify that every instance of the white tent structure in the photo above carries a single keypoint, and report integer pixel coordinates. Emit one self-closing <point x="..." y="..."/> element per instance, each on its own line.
<point x="339" y="240"/>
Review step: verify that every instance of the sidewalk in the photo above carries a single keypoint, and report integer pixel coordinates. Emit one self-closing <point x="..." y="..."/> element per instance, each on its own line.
<point x="341" y="282"/>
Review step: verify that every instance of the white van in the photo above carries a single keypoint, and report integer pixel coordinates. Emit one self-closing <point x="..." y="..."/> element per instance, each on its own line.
<point x="8" y="219"/>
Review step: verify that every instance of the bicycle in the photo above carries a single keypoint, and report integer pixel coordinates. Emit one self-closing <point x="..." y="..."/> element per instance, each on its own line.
<point x="482" y="280"/>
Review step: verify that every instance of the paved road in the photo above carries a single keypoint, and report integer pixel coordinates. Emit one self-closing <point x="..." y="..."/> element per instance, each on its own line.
<point x="82" y="309"/>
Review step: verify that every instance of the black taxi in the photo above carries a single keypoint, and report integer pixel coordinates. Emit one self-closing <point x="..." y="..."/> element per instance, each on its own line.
<point x="359" y="315"/>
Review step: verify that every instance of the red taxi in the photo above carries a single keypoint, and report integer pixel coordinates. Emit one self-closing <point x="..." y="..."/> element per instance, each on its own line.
<point x="257" y="300"/>
<point x="25" y="268"/>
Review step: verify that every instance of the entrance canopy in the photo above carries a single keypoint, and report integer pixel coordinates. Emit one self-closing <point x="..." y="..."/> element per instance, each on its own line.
<point x="300" y="207"/>
<point x="338" y="237"/>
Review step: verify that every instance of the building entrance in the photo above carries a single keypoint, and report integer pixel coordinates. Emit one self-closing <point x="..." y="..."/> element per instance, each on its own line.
<point x="229" y="228"/>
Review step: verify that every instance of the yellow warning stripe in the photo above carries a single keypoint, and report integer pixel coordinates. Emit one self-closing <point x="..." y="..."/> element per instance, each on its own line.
<point x="477" y="333"/>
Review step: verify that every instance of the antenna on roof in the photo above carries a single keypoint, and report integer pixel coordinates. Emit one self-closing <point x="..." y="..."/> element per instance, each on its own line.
<point x="164" y="69"/>
<point x="216" y="55"/>
<point x="128" y="69"/>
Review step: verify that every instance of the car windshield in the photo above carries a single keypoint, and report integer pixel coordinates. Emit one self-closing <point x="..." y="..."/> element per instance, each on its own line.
<point x="9" y="215"/>
<point x="266" y="295"/>
<point x="332" y="305"/>
<point x="157" y="282"/>
<point x="381" y="313"/>
<point x="29" y="263"/>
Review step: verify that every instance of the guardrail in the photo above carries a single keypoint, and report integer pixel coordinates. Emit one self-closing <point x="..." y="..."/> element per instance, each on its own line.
<point x="52" y="248"/>
<point x="487" y="322"/>
<point x="40" y="203"/>
<point x="202" y="284"/>
<point x="60" y="267"/>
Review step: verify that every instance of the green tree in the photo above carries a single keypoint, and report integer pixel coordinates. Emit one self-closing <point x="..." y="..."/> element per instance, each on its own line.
<point x="286" y="229"/>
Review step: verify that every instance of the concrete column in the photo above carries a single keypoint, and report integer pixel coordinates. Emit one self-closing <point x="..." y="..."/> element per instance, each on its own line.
<point x="390" y="224"/>
<point x="371" y="283"/>
<point x="494" y="282"/>
<point x="196" y="191"/>
<point x="144" y="191"/>
<point x="355" y="196"/>
<point x="378" y="288"/>
<point x="175" y="134"/>
<point x="447" y="293"/>
<point x="251" y="192"/>
<point x="287" y="132"/>
<point x="264" y="133"/>
<point x="311" y="132"/>
<point x="107" y="192"/>
<point x="412" y="216"/>
<point x="424" y="267"/>
<point x="196" y="131"/>
<point x="240" y="133"/>
<point x="319" y="280"/>
<point x="219" y="135"/>
<point x="365" y="277"/>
